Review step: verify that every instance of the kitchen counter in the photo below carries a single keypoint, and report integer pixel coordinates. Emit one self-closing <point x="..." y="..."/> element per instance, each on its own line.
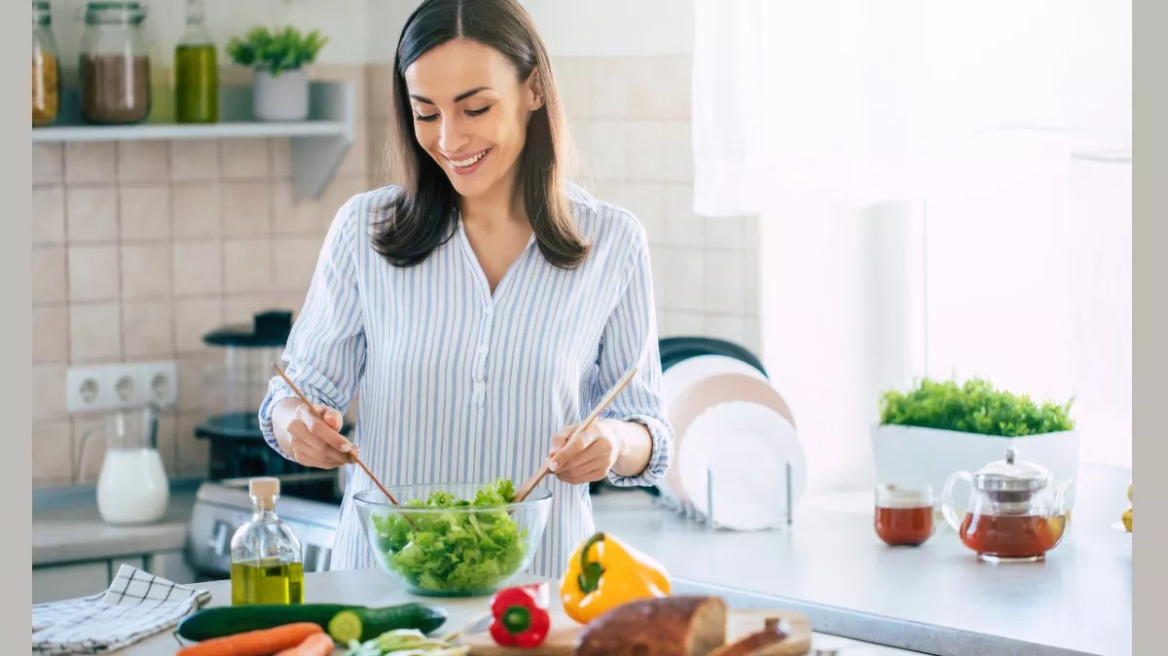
<point x="937" y="598"/>
<point x="373" y="588"/>
<point x="66" y="527"/>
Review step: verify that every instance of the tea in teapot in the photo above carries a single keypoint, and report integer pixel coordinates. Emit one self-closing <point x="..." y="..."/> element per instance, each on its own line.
<point x="1013" y="513"/>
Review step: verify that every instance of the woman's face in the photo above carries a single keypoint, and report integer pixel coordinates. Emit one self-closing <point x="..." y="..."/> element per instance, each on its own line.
<point x="470" y="113"/>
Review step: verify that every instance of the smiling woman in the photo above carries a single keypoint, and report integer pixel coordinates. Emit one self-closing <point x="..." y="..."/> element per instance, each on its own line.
<point x="482" y="307"/>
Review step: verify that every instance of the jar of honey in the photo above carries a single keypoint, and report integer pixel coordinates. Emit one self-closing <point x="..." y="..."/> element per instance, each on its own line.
<point x="904" y="514"/>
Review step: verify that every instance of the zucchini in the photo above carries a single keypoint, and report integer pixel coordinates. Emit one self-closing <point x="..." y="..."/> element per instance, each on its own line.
<point x="229" y="620"/>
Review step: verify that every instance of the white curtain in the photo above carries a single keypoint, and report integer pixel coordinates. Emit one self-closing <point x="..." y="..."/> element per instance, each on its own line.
<point x="941" y="190"/>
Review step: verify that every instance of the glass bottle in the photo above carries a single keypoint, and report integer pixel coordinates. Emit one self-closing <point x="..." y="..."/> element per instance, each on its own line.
<point x="115" y="64"/>
<point x="196" y="71"/>
<point x="266" y="557"/>
<point x="46" y="66"/>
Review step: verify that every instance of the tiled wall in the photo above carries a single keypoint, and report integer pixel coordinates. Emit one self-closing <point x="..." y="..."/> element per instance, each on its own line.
<point x="139" y="248"/>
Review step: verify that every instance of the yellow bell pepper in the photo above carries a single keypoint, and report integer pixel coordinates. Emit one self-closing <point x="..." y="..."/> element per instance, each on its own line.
<point x="605" y="573"/>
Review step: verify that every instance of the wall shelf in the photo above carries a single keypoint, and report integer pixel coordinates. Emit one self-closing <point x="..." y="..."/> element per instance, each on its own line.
<point x="318" y="144"/>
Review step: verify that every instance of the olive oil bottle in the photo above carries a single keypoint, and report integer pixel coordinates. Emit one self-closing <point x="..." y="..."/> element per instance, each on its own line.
<point x="267" y="564"/>
<point x="196" y="72"/>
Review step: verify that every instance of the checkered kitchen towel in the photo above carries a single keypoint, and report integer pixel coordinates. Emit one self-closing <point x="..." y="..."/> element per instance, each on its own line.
<point x="137" y="605"/>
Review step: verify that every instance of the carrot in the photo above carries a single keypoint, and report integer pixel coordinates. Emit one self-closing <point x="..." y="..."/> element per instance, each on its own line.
<point x="264" y="642"/>
<point x="318" y="644"/>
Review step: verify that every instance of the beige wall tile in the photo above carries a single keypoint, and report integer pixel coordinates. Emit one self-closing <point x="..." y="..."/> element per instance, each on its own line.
<point x="194" y="318"/>
<point x="645" y="86"/>
<point x="48" y="274"/>
<point x="376" y="171"/>
<point x="676" y="88"/>
<point x="731" y="328"/>
<point x="247" y="209"/>
<point x="603" y="147"/>
<point x="48" y="164"/>
<point x="147" y="329"/>
<point x="193" y="390"/>
<point x="244" y="159"/>
<point x="574" y="82"/>
<point x="686" y="272"/>
<point x="50" y="334"/>
<point x="93" y="273"/>
<point x="193" y="454"/>
<point x="280" y="157"/>
<point x="197" y="267"/>
<point x="682" y="226"/>
<point x="646" y="148"/>
<point x="90" y="162"/>
<point x="683" y="323"/>
<point x="723" y="232"/>
<point x="356" y="160"/>
<point x="95" y="332"/>
<point x="143" y="161"/>
<point x="678" y="164"/>
<point x="296" y="259"/>
<point x="48" y="215"/>
<point x="144" y="211"/>
<point x="48" y="391"/>
<point x="290" y="300"/>
<point x="92" y="213"/>
<point x="52" y="453"/>
<point x="751" y="300"/>
<point x="610" y="85"/>
<point x="723" y="283"/>
<point x="240" y="308"/>
<point x="146" y="270"/>
<point x="379" y="90"/>
<point x="197" y="209"/>
<point x="194" y="160"/>
<point x="647" y="203"/>
<point x="247" y="265"/>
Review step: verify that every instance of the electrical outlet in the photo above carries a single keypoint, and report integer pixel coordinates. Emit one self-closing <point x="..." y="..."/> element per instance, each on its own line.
<point x="120" y="386"/>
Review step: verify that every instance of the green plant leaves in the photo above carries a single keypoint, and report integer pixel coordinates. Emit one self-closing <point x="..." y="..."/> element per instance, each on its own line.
<point x="276" y="50"/>
<point x="975" y="407"/>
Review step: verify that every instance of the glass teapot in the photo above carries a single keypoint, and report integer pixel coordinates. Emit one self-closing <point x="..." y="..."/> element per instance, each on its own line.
<point x="133" y="487"/>
<point x="1014" y="513"/>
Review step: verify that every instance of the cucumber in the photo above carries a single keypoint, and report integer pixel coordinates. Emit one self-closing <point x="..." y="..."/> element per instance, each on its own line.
<point x="230" y="620"/>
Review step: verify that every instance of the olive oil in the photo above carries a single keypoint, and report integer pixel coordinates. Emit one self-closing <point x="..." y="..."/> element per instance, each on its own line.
<point x="267" y="581"/>
<point x="196" y="88"/>
<point x="267" y="564"/>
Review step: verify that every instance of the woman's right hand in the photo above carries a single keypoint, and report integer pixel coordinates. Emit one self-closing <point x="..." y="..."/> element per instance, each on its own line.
<point x="308" y="440"/>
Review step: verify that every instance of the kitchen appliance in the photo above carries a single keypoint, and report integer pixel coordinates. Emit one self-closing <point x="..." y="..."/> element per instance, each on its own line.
<point x="234" y="390"/>
<point x="309" y="504"/>
<point x="1014" y="514"/>
<point x="132" y="487"/>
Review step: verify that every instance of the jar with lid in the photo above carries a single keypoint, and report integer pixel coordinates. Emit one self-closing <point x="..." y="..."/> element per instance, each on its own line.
<point x="115" y="64"/>
<point x="46" y="66"/>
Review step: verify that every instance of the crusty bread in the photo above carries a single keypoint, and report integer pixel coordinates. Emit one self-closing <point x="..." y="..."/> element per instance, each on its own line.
<point x="680" y="625"/>
<point x="766" y="642"/>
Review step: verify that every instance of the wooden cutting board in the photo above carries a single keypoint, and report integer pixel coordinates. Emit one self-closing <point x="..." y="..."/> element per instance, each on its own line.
<point x="561" y="640"/>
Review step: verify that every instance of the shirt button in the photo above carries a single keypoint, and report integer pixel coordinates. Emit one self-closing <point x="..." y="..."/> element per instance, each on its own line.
<point x="483" y="349"/>
<point x="480" y="387"/>
<point x="487" y="311"/>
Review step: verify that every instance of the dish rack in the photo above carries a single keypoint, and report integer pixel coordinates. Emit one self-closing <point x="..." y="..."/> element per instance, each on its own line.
<point x="685" y="509"/>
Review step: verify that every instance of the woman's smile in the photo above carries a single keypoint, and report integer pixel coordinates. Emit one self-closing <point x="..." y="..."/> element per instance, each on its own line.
<point x="467" y="164"/>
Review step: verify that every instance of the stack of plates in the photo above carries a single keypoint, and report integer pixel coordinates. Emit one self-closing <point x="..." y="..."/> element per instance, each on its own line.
<point x="734" y="430"/>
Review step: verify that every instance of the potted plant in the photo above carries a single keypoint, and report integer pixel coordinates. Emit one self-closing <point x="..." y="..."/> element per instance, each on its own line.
<point x="279" y="58"/>
<point x="940" y="427"/>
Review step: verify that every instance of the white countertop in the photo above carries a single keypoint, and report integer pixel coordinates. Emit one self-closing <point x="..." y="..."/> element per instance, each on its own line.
<point x="71" y="530"/>
<point x="937" y="598"/>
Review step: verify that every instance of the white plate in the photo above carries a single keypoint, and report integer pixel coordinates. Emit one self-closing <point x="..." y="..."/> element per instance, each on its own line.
<point x="680" y="376"/>
<point x="745" y="447"/>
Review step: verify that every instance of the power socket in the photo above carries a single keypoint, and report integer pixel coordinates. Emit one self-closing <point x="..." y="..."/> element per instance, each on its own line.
<point x="121" y="386"/>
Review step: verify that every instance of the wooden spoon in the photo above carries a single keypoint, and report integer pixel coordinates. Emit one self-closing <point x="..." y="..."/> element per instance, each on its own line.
<point x="530" y="484"/>
<point x="352" y="455"/>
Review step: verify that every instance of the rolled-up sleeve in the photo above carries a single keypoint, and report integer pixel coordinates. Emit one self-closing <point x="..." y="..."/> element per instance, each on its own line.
<point x="630" y="339"/>
<point x="326" y="348"/>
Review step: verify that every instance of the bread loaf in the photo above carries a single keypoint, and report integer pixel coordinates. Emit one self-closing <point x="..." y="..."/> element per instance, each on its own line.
<point x="681" y="625"/>
<point x="767" y="642"/>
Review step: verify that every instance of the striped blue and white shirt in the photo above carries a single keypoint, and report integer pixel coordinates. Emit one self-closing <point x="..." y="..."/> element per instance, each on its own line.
<point x="456" y="385"/>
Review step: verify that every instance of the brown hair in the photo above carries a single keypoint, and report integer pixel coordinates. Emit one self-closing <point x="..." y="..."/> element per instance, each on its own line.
<point x="424" y="217"/>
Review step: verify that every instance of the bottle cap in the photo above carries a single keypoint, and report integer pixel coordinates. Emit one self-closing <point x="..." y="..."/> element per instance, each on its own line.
<point x="266" y="486"/>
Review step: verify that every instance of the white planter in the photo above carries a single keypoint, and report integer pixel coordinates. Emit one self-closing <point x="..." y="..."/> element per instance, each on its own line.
<point x="282" y="97"/>
<point x="907" y="455"/>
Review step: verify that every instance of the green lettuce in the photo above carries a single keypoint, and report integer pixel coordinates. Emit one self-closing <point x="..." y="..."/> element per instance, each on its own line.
<point x="457" y="551"/>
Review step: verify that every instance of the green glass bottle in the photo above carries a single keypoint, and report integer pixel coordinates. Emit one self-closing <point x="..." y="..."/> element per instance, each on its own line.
<point x="196" y="89"/>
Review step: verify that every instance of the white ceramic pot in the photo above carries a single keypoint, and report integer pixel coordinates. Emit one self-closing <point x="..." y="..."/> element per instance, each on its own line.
<point x="282" y="97"/>
<point x="908" y="455"/>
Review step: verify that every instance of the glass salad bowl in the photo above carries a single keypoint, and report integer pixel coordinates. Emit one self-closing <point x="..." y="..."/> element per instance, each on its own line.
<point x="456" y="539"/>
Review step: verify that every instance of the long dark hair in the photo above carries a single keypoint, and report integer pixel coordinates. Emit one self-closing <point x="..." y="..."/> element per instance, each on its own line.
<point x="424" y="217"/>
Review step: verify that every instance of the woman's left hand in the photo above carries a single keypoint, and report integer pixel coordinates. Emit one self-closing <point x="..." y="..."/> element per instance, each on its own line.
<point x="588" y="456"/>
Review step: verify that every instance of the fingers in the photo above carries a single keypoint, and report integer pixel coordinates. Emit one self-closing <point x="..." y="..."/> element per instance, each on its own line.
<point x="585" y="469"/>
<point x="326" y="430"/>
<point x="316" y="443"/>
<point x="570" y="448"/>
<point x="316" y="455"/>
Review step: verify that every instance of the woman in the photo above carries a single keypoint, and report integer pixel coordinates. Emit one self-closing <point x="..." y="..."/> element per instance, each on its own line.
<point x="485" y="306"/>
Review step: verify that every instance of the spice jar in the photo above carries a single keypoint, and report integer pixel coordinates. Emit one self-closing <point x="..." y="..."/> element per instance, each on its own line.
<point x="115" y="64"/>
<point x="46" y="66"/>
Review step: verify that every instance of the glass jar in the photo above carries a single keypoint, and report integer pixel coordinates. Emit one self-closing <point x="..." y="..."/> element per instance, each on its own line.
<point x="46" y="66"/>
<point x="196" y="71"/>
<point x="115" y="64"/>
<point x="267" y="565"/>
<point x="904" y="514"/>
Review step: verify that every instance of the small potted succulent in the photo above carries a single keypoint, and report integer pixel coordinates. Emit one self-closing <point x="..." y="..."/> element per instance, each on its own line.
<point x="939" y="427"/>
<point x="279" y="58"/>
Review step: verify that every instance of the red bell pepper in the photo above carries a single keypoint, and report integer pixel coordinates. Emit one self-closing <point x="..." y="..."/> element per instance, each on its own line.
<point x="520" y="616"/>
